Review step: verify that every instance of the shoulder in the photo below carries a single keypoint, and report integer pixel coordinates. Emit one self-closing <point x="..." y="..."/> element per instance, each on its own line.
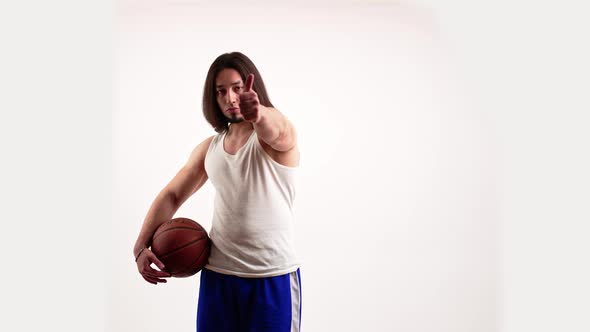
<point x="199" y="152"/>
<point x="206" y="142"/>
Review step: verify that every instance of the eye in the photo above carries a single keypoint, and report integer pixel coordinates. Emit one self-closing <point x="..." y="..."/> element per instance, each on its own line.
<point x="237" y="88"/>
<point x="221" y="92"/>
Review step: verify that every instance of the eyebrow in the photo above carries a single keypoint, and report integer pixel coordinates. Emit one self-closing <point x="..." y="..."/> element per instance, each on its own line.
<point x="234" y="83"/>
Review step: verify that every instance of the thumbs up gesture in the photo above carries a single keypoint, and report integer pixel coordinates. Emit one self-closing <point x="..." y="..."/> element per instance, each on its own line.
<point x="249" y="104"/>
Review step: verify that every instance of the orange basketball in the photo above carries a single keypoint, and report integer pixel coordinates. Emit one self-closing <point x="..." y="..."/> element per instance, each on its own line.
<point x="182" y="245"/>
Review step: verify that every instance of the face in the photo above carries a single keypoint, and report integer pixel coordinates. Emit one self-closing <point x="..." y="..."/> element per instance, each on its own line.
<point x="228" y="86"/>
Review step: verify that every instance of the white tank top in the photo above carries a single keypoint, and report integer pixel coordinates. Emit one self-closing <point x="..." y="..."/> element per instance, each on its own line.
<point x="252" y="226"/>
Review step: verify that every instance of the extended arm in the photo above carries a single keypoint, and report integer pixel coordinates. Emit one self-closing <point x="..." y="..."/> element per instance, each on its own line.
<point x="187" y="181"/>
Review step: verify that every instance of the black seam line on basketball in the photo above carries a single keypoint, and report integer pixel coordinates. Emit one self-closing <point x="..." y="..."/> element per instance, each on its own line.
<point x="179" y="248"/>
<point x="180" y="227"/>
<point x="193" y="262"/>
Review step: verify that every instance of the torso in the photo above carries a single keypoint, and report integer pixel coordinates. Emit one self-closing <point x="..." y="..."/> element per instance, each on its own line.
<point x="289" y="158"/>
<point x="253" y="219"/>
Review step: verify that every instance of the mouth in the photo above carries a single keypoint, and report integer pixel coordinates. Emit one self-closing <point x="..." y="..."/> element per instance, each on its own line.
<point x="233" y="110"/>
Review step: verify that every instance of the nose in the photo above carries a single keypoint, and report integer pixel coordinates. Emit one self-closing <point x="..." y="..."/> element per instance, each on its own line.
<point x="231" y="97"/>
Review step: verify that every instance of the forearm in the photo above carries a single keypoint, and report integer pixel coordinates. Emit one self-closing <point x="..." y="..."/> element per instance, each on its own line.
<point x="272" y="126"/>
<point x="162" y="209"/>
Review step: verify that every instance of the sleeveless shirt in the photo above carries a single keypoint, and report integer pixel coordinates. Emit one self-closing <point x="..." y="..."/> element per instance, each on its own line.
<point x="252" y="227"/>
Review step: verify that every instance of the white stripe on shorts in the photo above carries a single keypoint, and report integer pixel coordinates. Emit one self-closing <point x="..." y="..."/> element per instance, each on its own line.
<point x="295" y="302"/>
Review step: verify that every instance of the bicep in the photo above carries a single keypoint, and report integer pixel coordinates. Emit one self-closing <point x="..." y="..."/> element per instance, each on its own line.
<point x="192" y="176"/>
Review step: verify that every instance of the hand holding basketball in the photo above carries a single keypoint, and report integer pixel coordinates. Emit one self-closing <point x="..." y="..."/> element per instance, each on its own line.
<point x="249" y="103"/>
<point x="151" y="275"/>
<point x="182" y="245"/>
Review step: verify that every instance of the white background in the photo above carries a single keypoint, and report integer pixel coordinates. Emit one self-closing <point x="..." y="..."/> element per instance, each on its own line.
<point x="442" y="182"/>
<point x="395" y="208"/>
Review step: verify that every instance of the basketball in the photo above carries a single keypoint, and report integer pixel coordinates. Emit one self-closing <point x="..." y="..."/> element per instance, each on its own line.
<point x="182" y="245"/>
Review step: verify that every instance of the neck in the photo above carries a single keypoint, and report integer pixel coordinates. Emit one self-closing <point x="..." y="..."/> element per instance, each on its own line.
<point x="240" y="129"/>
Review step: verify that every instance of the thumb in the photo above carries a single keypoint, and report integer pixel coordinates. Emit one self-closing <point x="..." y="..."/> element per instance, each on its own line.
<point x="156" y="261"/>
<point x="249" y="82"/>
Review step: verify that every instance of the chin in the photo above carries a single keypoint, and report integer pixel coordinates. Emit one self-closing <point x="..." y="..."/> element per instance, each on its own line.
<point x="235" y="119"/>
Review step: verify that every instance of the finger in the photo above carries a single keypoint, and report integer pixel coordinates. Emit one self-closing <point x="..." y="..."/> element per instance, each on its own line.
<point x="245" y="98"/>
<point x="249" y="82"/>
<point x="248" y="99"/>
<point x="147" y="273"/>
<point x="248" y="94"/>
<point x="148" y="280"/>
<point x="248" y="106"/>
<point x="160" y="280"/>
<point x="252" y="102"/>
<point x="153" y="279"/>
<point x="150" y="270"/>
<point x="156" y="274"/>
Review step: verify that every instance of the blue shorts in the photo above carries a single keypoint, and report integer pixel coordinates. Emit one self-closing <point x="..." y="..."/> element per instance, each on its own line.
<point x="233" y="304"/>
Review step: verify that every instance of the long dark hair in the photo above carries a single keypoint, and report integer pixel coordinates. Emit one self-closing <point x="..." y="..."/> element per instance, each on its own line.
<point x="244" y="66"/>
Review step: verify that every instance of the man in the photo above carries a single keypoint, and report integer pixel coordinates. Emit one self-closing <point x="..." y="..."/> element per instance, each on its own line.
<point x="252" y="279"/>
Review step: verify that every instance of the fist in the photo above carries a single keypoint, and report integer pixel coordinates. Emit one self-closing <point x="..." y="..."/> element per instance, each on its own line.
<point x="249" y="104"/>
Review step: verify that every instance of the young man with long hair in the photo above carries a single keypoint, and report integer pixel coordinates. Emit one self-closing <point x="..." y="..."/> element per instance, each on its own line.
<point x="252" y="279"/>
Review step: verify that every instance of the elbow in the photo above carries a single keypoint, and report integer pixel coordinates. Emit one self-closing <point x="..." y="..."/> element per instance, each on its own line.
<point x="286" y="141"/>
<point x="170" y="197"/>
